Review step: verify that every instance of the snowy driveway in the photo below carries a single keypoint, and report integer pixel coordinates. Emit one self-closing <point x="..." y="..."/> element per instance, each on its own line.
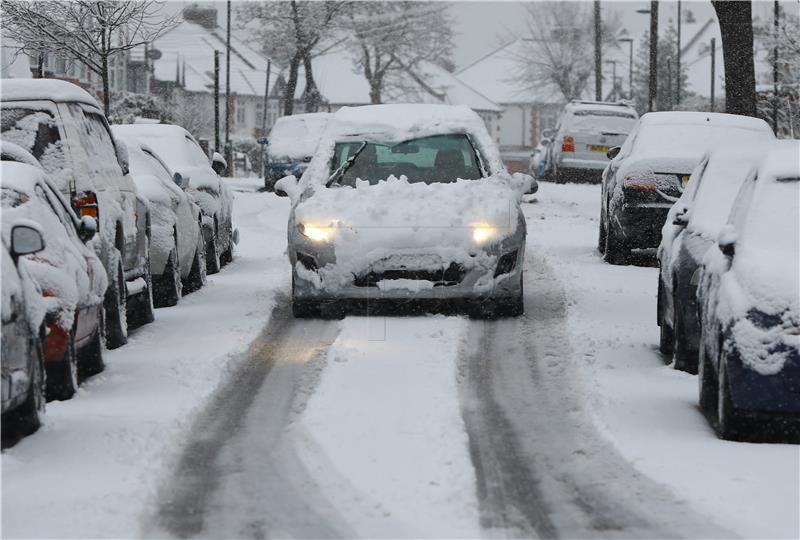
<point x="564" y="422"/>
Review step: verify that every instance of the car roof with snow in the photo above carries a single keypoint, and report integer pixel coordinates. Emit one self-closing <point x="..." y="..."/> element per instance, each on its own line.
<point x="692" y="118"/>
<point x="44" y="89"/>
<point x="782" y="161"/>
<point x="600" y="106"/>
<point x="150" y="130"/>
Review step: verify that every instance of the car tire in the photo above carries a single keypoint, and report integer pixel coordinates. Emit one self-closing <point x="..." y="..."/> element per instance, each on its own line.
<point x="212" y="255"/>
<point x="62" y="376"/>
<point x="617" y="251"/>
<point x="666" y="337"/>
<point x="167" y="288"/>
<point x="115" y="305"/>
<point x="227" y="255"/>
<point x="682" y="358"/>
<point x="707" y="384"/>
<point x="197" y="275"/>
<point x="90" y="358"/>
<point x="141" y="309"/>
<point x="27" y="418"/>
<point x="601" y="236"/>
<point x="729" y="426"/>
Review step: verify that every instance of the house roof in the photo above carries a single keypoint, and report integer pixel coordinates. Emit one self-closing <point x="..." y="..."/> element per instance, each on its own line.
<point x="494" y="76"/>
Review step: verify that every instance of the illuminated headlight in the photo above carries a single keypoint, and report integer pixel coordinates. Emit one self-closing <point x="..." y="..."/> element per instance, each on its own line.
<point x="482" y="234"/>
<point x="317" y="234"/>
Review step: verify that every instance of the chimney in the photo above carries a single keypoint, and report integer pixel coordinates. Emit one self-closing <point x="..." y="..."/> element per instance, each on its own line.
<point x="203" y="15"/>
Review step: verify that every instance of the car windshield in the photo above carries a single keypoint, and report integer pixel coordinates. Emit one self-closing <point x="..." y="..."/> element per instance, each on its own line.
<point x="436" y="159"/>
<point x="602" y="120"/>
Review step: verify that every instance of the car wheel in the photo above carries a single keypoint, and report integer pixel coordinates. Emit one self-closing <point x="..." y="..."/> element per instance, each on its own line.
<point x="682" y="357"/>
<point x="601" y="237"/>
<point x="197" y="275"/>
<point x="115" y="305"/>
<point x="90" y="358"/>
<point x="141" y="310"/>
<point x="168" y="288"/>
<point x="729" y="422"/>
<point x="227" y="255"/>
<point x="666" y="338"/>
<point x="27" y="418"/>
<point x="62" y="376"/>
<point x="617" y="250"/>
<point x="212" y="255"/>
<point x="707" y="384"/>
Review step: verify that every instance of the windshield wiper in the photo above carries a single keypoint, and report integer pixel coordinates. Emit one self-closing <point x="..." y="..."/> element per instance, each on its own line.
<point x="338" y="173"/>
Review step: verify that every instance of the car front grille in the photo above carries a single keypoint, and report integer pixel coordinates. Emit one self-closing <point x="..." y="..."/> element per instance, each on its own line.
<point x="444" y="277"/>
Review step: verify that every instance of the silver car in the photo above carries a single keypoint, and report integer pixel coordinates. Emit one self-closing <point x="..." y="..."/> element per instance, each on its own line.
<point x="587" y="130"/>
<point x="402" y="203"/>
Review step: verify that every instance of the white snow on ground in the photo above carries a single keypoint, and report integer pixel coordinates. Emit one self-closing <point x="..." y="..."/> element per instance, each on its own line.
<point x="648" y="410"/>
<point x="100" y="457"/>
<point x="383" y="433"/>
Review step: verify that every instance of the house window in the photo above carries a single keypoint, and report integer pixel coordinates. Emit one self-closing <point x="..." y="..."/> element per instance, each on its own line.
<point x="240" y="114"/>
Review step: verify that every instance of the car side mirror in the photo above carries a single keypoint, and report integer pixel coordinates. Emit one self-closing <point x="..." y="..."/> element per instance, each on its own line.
<point x="548" y="133"/>
<point x="727" y="240"/>
<point x="219" y="164"/>
<point x="181" y="180"/>
<point x="25" y="240"/>
<point x="122" y="156"/>
<point x="681" y="219"/>
<point x="87" y="229"/>
<point x="286" y="186"/>
<point x="613" y="152"/>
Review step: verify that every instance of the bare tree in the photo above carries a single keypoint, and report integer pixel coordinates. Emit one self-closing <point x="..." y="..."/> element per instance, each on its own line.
<point x="87" y="31"/>
<point x="394" y="37"/>
<point x="736" y="28"/>
<point x="559" y="49"/>
<point x="292" y="33"/>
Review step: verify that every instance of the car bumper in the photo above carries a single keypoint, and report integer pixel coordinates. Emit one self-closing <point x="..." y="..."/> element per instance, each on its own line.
<point x="641" y="224"/>
<point x="582" y="163"/>
<point x="755" y="392"/>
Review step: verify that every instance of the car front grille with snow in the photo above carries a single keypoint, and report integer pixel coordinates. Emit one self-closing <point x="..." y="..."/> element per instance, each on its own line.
<point x="449" y="276"/>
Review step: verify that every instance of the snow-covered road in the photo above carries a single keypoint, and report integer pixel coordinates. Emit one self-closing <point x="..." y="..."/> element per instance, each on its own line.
<point x="228" y="418"/>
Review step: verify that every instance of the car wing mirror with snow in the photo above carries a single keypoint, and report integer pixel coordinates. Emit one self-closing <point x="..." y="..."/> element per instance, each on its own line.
<point x="727" y="240"/>
<point x="122" y="156"/>
<point x="548" y="133"/>
<point x="218" y="163"/>
<point x="181" y="180"/>
<point x="26" y="239"/>
<point x="524" y="183"/>
<point x="613" y="152"/>
<point x="681" y="219"/>
<point x="287" y="187"/>
<point x="87" y="228"/>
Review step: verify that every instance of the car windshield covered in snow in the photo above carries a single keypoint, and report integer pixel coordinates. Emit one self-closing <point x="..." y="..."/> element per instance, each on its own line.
<point x="36" y="131"/>
<point x="601" y="119"/>
<point x="435" y="159"/>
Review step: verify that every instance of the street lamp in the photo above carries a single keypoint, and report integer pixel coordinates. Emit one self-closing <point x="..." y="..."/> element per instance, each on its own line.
<point x="629" y="41"/>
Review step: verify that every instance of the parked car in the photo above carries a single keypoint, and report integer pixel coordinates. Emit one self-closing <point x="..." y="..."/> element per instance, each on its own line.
<point x="692" y="226"/>
<point x="749" y="296"/>
<point x="292" y="143"/>
<point x="64" y="128"/>
<point x="647" y="173"/>
<point x="536" y="163"/>
<point x="585" y="132"/>
<point x="177" y="247"/>
<point x="23" y="315"/>
<point x="68" y="272"/>
<point x="182" y="154"/>
<point x="408" y="203"/>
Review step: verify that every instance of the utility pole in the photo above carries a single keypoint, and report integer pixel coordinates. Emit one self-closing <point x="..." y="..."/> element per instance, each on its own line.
<point x="653" y="87"/>
<point x="713" y="74"/>
<point x="678" y="60"/>
<point x="228" y="153"/>
<point x="216" y="101"/>
<point x="264" y="120"/>
<point x="669" y="83"/>
<point x="598" y="54"/>
<point x="629" y="41"/>
<point x="775" y="71"/>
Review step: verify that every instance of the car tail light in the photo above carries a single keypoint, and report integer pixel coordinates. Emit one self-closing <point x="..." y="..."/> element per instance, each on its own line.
<point x="55" y="343"/>
<point x="85" y="203"/>
<point x="640" y="182"/>
<point x="568" y="144"/>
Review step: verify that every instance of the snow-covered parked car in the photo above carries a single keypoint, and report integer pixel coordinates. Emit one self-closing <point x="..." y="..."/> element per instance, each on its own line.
<point x="23" y="314"/>
<point x="692" y="226"/>
<point x="182" y="154"/>
<point x="749" y="296"/>
<point x="407" y="202"/>
<point x="293" y="141"/>
<point x="177" y="247"/>
<point x="585" y="132"/>
<point x="67" y="271"/>
<point x="64" y="128"/>
<point x="647" y="173"/>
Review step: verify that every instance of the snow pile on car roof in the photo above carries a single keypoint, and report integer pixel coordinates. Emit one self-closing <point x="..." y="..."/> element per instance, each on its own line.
<point x="297" y="136"/>
<point x="44" y="89"/>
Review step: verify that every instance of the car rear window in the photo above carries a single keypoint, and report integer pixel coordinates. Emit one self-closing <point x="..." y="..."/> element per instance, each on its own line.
<point x="36" y="131"/>
<point x="601" y="121"/>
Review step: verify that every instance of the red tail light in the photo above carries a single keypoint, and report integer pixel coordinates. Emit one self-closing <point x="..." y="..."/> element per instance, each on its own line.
<point x="640" y="182"/>
<point x="85" y="203"/>
<point x="568" y="144"/>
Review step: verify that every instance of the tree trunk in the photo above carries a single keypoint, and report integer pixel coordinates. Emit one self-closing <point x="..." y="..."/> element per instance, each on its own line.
<point x="291" y="85"/>
<point x="106" y="97"/>
<point x="736" y="28"/>
<point x="375" y="87"/>
<point x="312" y="92"/>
